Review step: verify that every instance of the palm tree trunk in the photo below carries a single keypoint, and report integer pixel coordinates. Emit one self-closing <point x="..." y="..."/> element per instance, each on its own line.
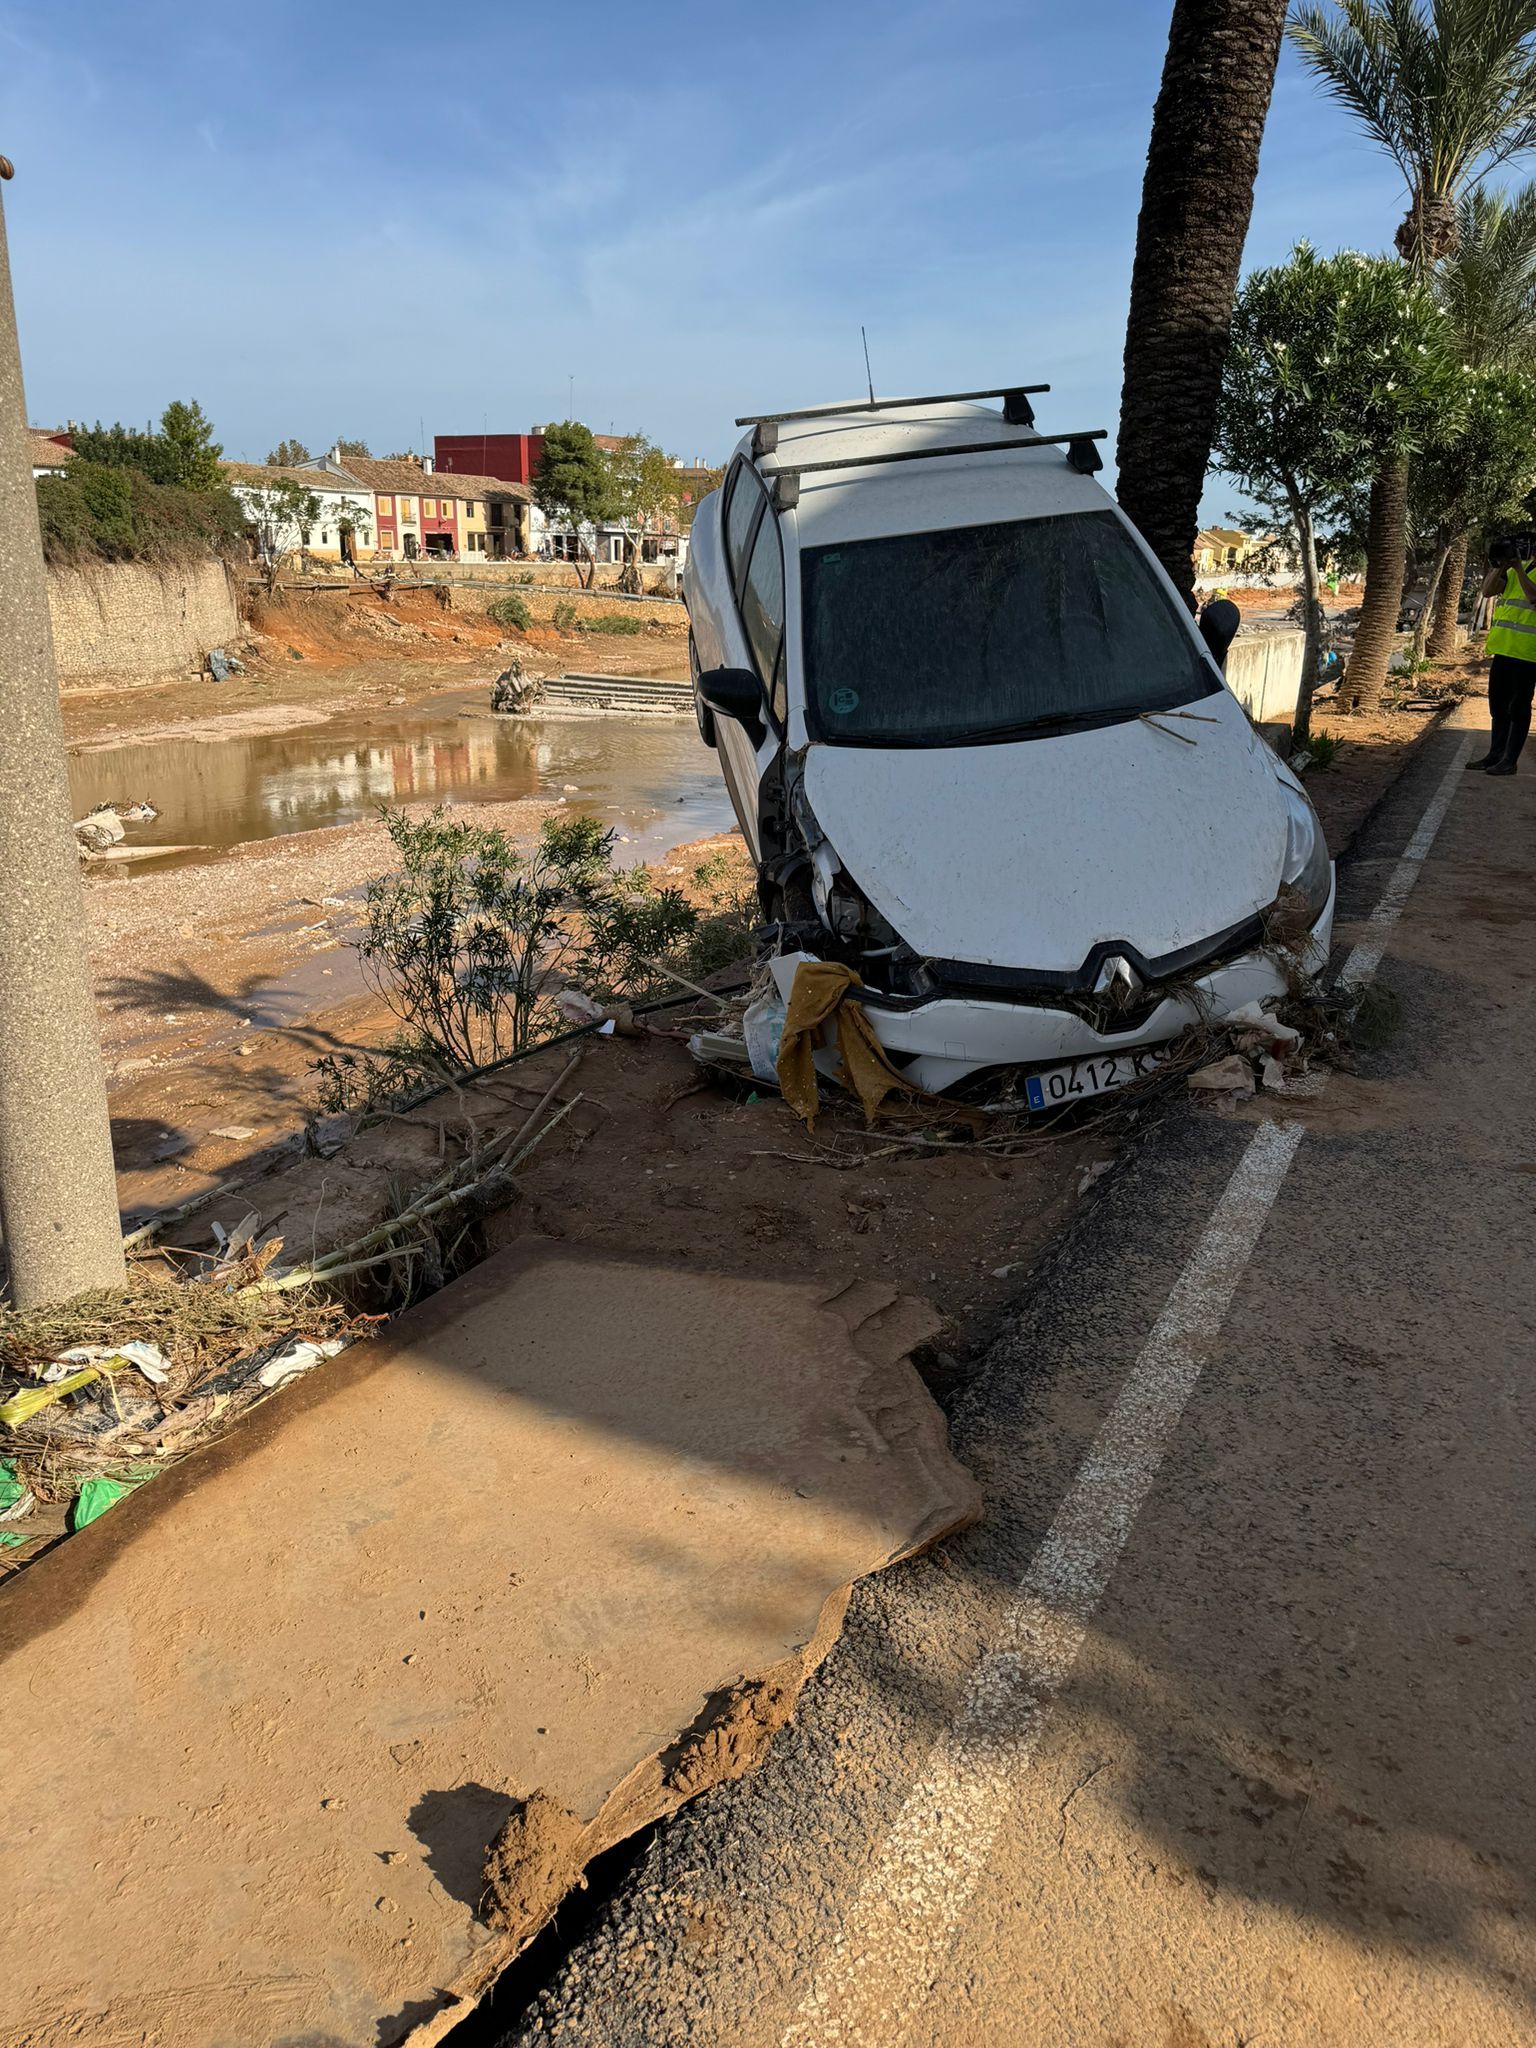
<point x="1442" y="634"/>
<point x="1386" y="550"/>
<point x="1195" y="202"/>
<point x="1311" y="656"/>
<point x="1431" y="594"/>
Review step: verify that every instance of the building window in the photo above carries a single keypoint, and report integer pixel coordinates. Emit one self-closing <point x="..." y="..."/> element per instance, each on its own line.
<point x="386" y="508"/>
<point x="470" y="509"/>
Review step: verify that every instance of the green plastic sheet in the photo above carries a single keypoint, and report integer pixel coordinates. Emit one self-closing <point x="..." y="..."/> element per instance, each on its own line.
<point x="95" y="1497"/>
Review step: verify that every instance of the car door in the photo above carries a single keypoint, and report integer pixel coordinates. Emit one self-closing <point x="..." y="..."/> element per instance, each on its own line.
<point x="755" y="561"/>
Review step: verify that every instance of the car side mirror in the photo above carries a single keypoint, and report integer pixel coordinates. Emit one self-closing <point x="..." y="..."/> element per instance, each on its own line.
<point x="735" y="693"/>
<point x="1218" y="628"/>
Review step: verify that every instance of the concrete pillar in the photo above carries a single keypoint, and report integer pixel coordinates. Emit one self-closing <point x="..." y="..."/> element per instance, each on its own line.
<point x="58" y="1192"/>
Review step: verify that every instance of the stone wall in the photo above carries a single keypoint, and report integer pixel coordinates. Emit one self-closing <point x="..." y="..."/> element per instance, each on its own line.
<point x="133" y="622"/>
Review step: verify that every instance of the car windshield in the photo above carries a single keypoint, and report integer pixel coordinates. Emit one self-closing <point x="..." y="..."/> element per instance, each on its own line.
<point x="990" y="633"/>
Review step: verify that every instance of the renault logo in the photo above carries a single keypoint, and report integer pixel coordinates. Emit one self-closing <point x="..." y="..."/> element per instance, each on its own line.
<point x="1118" y="982"/>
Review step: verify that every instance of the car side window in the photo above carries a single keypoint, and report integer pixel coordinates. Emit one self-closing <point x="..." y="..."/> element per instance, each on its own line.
<point x="740" y="513"/>
<point x="762" y="609"/>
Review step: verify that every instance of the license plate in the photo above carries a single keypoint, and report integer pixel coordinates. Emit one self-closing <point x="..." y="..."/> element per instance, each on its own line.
<point x="1059" y="1087"/>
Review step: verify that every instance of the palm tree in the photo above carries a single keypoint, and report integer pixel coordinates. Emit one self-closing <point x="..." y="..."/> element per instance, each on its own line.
<point x="1195" y="202"/>
<point x="1448" y="89"/>
<point x="1487" y="288"/>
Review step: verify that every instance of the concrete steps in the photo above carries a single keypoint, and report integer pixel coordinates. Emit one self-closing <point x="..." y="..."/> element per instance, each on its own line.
<point x="647" y="695"/>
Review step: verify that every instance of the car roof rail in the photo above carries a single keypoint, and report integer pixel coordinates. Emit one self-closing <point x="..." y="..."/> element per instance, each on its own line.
<point x="1017" y="411"/>
<point x="1081" y="454"/>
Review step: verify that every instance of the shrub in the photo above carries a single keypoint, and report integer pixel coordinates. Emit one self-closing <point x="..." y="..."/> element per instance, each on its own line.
<point x="1321" y="747"/>
<point x="565" y="617"/>
<point x="614" y="622"/>
<point x="727" y="926"/>
<point x="628" y="928"/>
<point x="510" y="610"/>
<point x="99" y="512"/>
<point x="469" y="939"/>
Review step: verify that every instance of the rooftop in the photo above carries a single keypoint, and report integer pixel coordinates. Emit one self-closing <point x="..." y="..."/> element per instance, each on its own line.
<point x="312" y="479"/>
<point x="404" y="474"/>
<point x="47" y="448"/>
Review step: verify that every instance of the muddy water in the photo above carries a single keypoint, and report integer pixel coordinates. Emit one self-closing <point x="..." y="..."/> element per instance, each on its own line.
<point x="652" y="779"/>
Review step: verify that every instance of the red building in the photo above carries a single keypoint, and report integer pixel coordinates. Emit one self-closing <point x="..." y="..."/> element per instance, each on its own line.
<point x="415" y="515"/>
<point x="512" y="456"/>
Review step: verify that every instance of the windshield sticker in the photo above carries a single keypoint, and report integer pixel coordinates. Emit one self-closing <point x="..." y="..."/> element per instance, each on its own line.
<point x="843" y="701"/>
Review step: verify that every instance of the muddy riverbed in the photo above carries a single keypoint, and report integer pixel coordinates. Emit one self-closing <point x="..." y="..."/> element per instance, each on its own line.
<point x="224" y="968"/>
<point x="651" y="779"/>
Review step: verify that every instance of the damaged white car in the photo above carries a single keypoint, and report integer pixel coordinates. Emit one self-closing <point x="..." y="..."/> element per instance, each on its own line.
<point x="979" y="750"/>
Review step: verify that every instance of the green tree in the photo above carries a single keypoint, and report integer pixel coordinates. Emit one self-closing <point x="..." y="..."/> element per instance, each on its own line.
<point x="696" y="486"/>
<point x="120" y="447"/>
<point x="572" y="487"/>
<point x="643" y="493"/>
<point x="194" y="452"/>
<point x="1335" y="362"/>
<point x="345" y="448"/>
<point x="1486" y="285"/>
<point x="1487" y="288"/>
<point x="1195" y="202"/>
<point x="288" y="455"/>
<point x="1448" y="89"/>
<point x="1473" y="477"/>
<point x="281" y="515"/>
<point x="183" y="453"/>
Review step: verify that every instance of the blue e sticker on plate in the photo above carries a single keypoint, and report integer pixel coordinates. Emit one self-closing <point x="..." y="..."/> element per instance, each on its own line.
<point x="844" y="701"/>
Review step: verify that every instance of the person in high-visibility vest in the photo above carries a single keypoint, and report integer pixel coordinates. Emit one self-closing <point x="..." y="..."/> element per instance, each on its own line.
<point x="1512" y="669"/>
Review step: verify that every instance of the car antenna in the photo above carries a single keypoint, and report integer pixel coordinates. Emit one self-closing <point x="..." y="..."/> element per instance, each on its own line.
<point x="868" y="377"/>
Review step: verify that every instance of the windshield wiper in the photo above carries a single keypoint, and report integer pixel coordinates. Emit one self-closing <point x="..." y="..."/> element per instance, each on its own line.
<point x="1055" y="721"/>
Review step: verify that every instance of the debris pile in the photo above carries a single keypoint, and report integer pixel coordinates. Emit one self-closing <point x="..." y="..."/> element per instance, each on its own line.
<point x="514" y="690"/>
<point x="88" y="1412"/>
<point x="103" y="825"/>
<point x="1265" y="1054"/>
<point x="113" y="1386"/>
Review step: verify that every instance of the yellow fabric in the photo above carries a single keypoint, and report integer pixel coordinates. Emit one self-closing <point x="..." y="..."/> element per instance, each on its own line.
<point x="1513" y="630"/>
<point x="824" y="989"/>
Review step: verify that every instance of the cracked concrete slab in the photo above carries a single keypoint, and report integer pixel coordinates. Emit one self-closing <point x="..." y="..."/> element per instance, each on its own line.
<point x="315" y="1731"/>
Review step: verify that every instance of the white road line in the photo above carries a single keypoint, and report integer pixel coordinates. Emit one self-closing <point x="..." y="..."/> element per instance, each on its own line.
<point x="1360" y="968"/>
<point x="882" y="1966"/>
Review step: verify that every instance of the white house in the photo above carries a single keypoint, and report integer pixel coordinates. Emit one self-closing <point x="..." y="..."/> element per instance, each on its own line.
<point x="50" y="451"/>
<point x="344" y="525"/>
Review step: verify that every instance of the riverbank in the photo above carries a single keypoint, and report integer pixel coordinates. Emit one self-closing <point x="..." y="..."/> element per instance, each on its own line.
<point x="219" y="986"/>
<point x="323" y="654"/>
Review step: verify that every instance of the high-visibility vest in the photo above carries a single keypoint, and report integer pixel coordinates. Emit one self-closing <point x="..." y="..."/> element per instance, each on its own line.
<point x="1513" y="630"/>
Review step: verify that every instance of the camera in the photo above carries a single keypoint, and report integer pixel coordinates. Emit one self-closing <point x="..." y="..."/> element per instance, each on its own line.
<point x="1508" y="548"/>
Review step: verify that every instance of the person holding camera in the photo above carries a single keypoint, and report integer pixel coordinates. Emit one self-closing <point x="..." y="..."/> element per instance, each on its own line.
<point x="1510" y="582"/>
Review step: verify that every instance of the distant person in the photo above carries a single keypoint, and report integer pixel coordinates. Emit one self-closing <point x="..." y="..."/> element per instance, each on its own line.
<point x="1512" y="646"/>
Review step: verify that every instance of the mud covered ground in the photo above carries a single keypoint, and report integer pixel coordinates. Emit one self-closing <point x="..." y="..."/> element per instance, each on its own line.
<point x="316" y="654"/>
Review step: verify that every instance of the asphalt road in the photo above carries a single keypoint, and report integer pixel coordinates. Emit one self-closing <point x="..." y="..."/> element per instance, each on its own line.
<point x="1218" y="1732"/>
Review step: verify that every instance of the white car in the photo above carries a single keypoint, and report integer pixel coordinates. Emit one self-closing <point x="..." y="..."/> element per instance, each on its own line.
<point x="980" y="751"/>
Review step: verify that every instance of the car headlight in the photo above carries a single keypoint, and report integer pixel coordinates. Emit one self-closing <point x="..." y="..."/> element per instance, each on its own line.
<point x="1308" y="869"/>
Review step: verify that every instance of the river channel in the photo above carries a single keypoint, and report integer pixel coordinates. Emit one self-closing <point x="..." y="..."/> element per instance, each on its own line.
<point x="652" y="779"/>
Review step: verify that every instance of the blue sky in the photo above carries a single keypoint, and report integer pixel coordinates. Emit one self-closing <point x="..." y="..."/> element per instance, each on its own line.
<point x="374" y="219"/>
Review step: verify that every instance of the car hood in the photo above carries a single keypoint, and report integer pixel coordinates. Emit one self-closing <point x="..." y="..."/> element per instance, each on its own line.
<point x="1029" y="854"/>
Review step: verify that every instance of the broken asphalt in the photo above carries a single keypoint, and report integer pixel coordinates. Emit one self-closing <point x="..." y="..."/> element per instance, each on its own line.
<point x="1217" y="1729"/>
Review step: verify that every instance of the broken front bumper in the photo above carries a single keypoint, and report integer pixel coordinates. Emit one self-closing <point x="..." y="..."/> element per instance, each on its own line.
<point x="940" y="1042"/>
